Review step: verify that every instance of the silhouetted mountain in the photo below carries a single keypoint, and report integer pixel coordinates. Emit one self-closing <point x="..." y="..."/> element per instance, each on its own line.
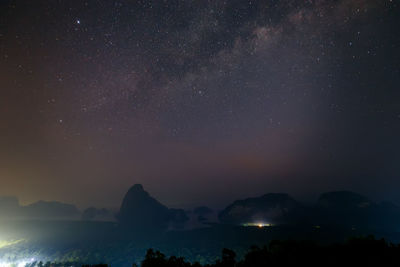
<point x="350" y="209"/>
<point x="139" y="211"/>
<point x="343" y="208"/>
<point x="343" y="200"/>
<point x="50" y="210"/>
<point x="386" y="215"/>
<point x="202" y="210"/>
<point x="178" y="218"/>
<point x="94" y="214"/>
<point x="203" y="213"/>
<point x="9" y="207"/>
<point x="142" y="213"/>
<point x="269" y="208"/>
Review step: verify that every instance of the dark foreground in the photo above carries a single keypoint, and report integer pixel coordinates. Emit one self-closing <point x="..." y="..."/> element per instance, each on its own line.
<point x="82" y="243"/>
<point x="366" y="251"/>
<point x="355" y="252"/>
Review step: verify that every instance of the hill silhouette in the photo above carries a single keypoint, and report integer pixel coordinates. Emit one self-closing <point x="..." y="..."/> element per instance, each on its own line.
<point x="349" y="209"/>
<point x="337" y="209"/>
<point x="92" y="213"/>
<point x="141" y="212"/>
<point x="270" y="208"/>
<point x="50" y="209"/>
<point x="11" y="209"/>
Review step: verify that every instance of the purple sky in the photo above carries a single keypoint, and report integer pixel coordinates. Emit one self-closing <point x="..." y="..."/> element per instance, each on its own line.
<point x="202" y="102"/>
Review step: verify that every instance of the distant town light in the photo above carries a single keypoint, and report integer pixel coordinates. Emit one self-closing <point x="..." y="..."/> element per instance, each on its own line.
<point x="257" y="224"/>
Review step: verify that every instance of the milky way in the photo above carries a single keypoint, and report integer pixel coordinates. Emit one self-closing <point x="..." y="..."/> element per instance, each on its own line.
<point x="200" y="101"/>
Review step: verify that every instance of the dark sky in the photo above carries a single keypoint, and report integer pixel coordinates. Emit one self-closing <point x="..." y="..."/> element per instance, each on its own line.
<point x="200" y="101"/>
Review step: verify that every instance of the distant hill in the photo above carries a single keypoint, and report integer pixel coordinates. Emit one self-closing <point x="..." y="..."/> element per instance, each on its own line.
<point x="11" y="209"/>
<point x="203" y="213"/>
<point x="50" y="210"/>
<point x="350" y="209"/>
<point x="386" y="215"/>
<point x="177" y="218"/>
<point x="339" y="209"/>
<point x="94" y="214"/>
<point x="267" y="209"/>
<point x="343" y="200"/>
<point x="141" y="212"/>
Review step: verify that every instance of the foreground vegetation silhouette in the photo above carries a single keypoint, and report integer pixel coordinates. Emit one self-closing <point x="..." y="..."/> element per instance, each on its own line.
<point x="356" y="252"/>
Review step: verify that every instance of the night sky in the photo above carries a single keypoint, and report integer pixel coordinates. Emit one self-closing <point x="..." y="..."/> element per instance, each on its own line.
<point x="202" y="102"/>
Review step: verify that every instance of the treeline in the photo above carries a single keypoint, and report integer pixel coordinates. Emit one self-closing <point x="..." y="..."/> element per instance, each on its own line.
<point x="356" y="252"/>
